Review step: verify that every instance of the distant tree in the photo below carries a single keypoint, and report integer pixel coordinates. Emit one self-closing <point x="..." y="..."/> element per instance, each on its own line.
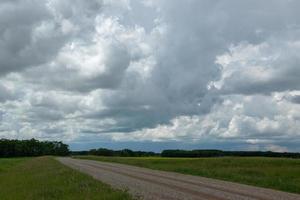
<point x="127" y="153"/>
<point x="103" y="152"/>
<point x="218" y="153"/>
<point x="19" y="148"/>
<point x="109" y="152"/>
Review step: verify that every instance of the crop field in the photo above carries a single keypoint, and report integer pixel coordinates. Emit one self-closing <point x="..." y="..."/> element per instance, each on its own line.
<point x="45" y="178"/>
<point x="276" y="173"/>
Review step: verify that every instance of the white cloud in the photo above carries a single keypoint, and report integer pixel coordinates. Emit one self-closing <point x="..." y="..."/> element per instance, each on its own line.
<point x="132" y="70"/>
<point x="238" y="119"/>
<point x="268" y="67"/>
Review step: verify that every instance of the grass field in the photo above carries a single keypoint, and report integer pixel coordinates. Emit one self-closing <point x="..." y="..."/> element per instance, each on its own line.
<point x="277" y="173"/>
<point x="7" y="163"/>
<point x="45" y="178"/>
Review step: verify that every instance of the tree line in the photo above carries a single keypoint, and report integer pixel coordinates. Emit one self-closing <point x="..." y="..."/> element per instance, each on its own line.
<point x="24" y="148"/>
<point x="219" y="153"/>
<point x="178" y="153"/>
<point x="119" y="153"/>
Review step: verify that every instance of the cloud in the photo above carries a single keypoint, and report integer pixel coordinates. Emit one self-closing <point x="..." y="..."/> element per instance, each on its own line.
<point x="276" y="148"/>
<point x="264" y="68"/>
<point x="238" y="119"/>
<point x="130" y="70"/>
<point x="293" y="97"/>
<point x="29" y="37"/>
<point x="6" y="93"/>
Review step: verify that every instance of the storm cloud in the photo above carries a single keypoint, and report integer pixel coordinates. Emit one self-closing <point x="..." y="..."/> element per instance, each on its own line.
<point x="190" y="72"/>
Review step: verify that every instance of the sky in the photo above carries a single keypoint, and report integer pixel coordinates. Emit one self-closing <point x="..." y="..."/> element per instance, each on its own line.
<point x="152" y="74"/>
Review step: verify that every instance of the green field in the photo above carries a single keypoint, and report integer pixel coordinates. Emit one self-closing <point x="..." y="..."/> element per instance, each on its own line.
<point x="277" y="173"/>
<point x="45" y="178"/>
<point x="8" y="163"/>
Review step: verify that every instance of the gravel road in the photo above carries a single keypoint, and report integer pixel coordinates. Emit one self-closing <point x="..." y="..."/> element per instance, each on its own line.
<point x="150" y="184"/>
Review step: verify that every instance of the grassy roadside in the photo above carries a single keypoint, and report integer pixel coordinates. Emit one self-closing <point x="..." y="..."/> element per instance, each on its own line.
<point x="7" y="163"/>
<point x="45" y="178"/>
<point x="276" y="173"/>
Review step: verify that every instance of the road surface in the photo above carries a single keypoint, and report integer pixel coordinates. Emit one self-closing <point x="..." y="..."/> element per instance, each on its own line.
<point x="150" y="184"/>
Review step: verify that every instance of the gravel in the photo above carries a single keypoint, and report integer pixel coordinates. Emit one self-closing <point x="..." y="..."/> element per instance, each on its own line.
<point x="150" y="184"/>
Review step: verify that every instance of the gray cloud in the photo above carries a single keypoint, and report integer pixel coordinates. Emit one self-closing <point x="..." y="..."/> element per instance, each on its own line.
<point x="264" y="68"/>
<point x="186" y="54"/>
<point x="5" y="94"/>
<point x="151" y="70"/>
<point x="296" y="99"/>
<point x="29" y="37"/>
<point x="292" y="97"/>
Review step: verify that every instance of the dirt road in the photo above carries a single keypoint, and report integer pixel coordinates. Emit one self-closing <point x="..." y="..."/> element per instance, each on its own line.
<point x="152" y="184"/>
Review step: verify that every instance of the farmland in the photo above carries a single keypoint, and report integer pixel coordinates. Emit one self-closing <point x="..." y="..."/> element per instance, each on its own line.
<point x="276" y="173"/>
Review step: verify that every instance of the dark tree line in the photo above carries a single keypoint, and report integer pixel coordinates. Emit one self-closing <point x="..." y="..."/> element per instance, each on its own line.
<point x="22" y="148"/>
<point x="120" y="153"/>
<point x="185" y="153"/>
<point x="219" y="153"/>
